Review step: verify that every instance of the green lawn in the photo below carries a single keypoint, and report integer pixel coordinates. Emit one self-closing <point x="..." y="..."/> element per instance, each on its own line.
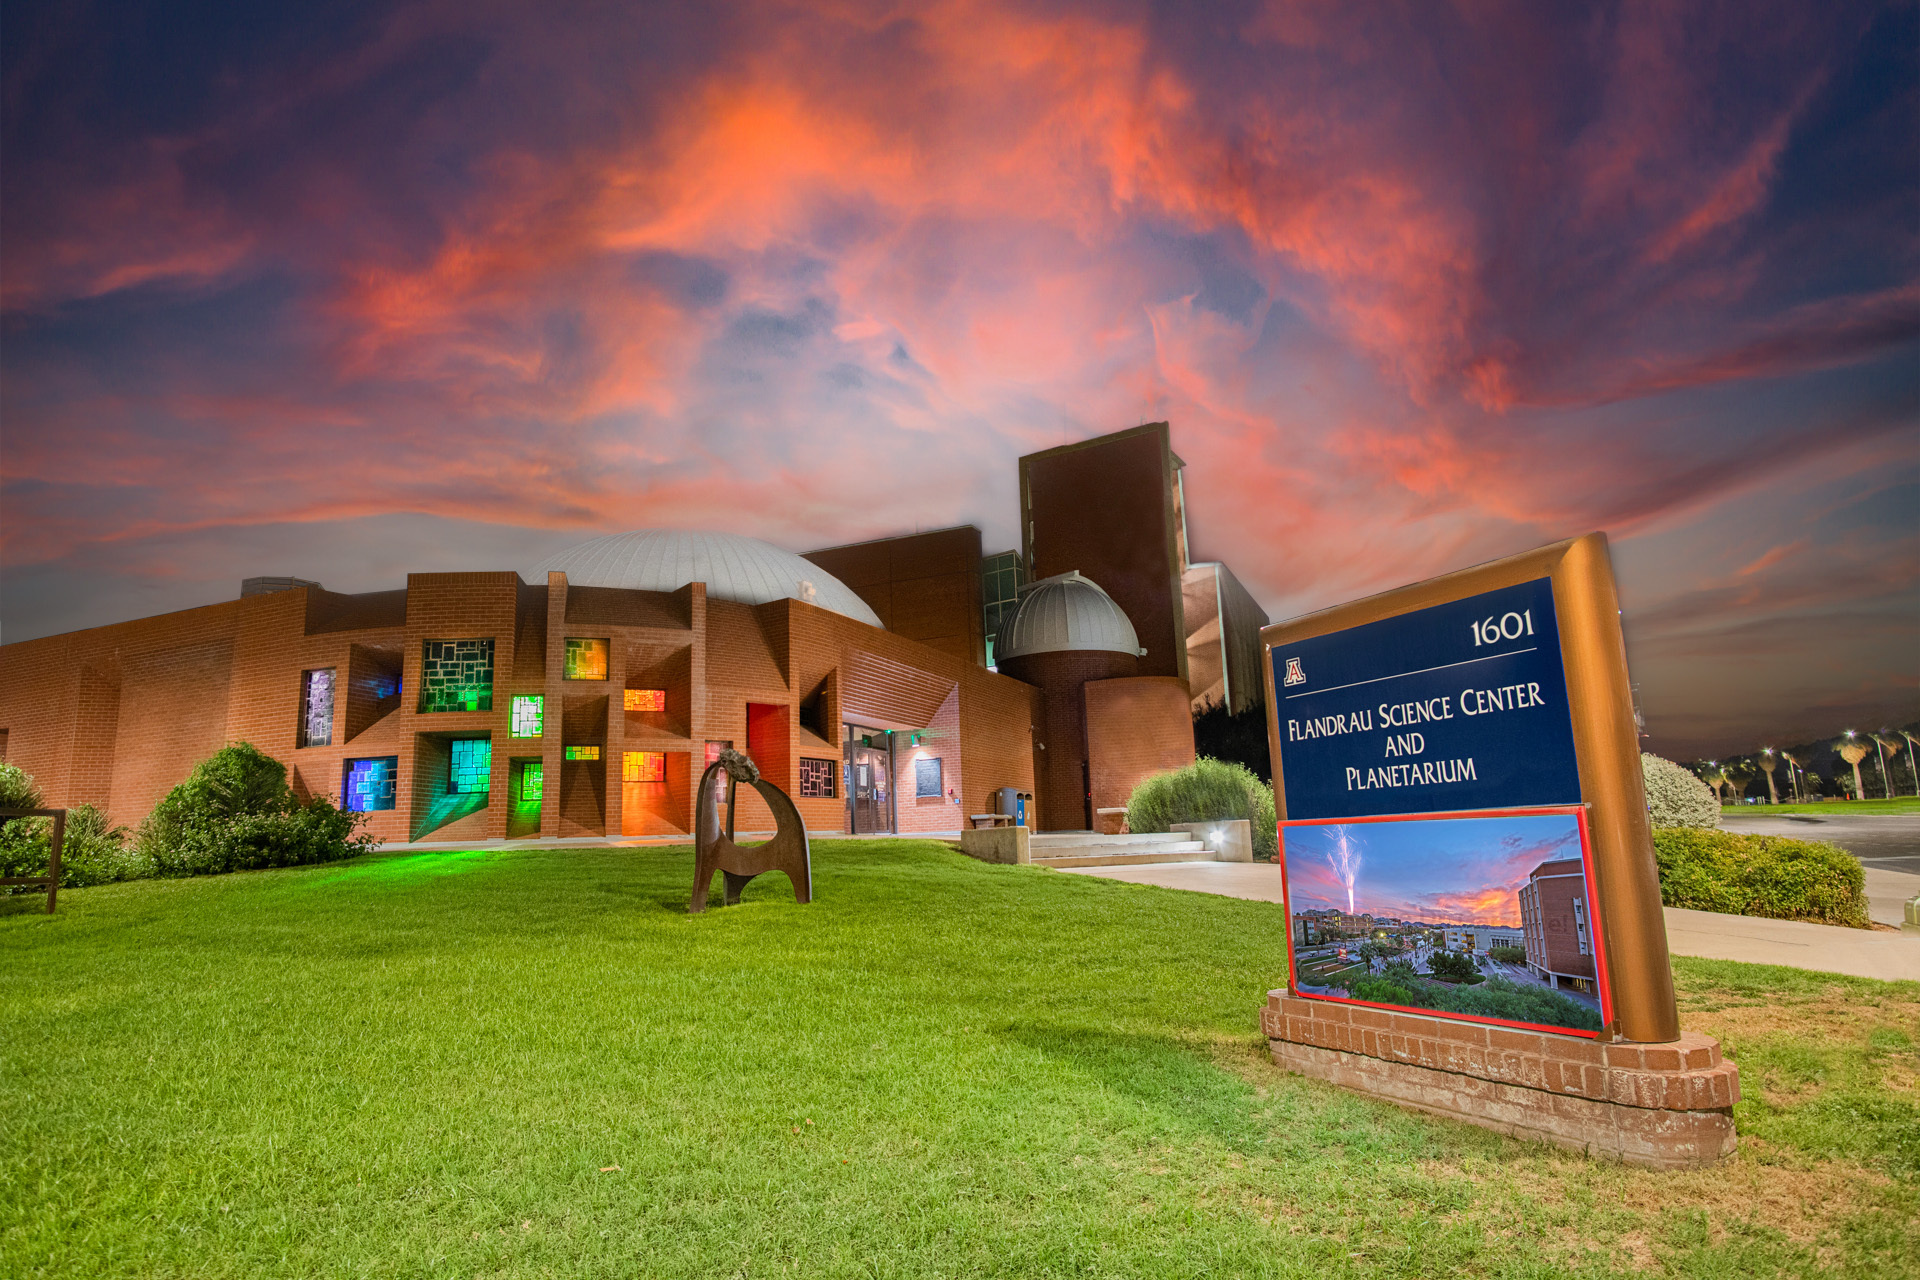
<point x="534" y="1063"/>
<point x="1829" y="808"/>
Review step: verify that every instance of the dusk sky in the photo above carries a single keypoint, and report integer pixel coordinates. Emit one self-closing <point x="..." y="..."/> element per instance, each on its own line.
<point x="1437" y="871"/>
<point x="348" y="291"/>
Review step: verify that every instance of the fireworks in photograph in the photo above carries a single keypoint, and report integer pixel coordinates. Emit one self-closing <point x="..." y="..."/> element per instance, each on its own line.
<point x="1488" y="917"/>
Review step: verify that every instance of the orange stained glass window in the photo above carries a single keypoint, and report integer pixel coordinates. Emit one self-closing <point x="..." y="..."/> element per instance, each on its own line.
<point x="643" y="766"/>
<point x="646" y="700"/>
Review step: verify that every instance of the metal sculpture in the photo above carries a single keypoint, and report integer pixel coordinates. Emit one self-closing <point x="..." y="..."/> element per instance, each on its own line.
<point x="714" y="850"/>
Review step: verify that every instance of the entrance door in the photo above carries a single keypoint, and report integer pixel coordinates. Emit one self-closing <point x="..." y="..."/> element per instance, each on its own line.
<point x="870" y="778"/>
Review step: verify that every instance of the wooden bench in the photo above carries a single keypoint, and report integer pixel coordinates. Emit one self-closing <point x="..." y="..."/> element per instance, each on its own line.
<point x="992" y="820"/>
<point x="52" y="879"/>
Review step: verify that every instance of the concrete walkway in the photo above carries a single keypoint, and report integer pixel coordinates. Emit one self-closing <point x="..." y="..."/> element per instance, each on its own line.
<point x="1705" y="934"/>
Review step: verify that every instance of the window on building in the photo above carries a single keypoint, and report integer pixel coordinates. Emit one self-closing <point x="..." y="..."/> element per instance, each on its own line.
<point x="1001" y="578"/>
<point x="715" y="748"/>
<point x="456" y="675"/>
<point x="816" y="778"/>
<point x="368" y="785"/>
<point x="583" y="753"/>
<point x="532" y="780"/>
<point x="926" y="780"/>
<point x="1580" y="926"/>
<point x="527" y="716"/>
<point x="471" y="768"/>
<point x="316" y="708"/>
<point x="643" y="766"/>
<point x="586" y="659"/>
<point x="646" y="700"/>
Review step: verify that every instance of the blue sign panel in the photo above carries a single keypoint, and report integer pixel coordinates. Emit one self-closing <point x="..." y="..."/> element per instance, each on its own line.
<point x="1459" y="706"/>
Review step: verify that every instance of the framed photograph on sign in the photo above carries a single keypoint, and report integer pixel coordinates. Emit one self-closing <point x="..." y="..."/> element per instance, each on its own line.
<point x="1489" y="916"/>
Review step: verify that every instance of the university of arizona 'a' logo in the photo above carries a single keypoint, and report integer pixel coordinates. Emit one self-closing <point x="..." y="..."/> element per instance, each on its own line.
<point x="1294" y="674"/>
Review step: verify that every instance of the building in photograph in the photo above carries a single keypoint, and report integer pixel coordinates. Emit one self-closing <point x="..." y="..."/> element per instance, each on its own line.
<point x="1557" y="926"/>
<point x="1480" y="939"/>
<point x="585" y="696"/>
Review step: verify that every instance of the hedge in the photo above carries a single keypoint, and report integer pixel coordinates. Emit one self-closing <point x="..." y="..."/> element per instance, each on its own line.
<point x="1769" y="876"/>
<point x="1207" y="790"/>
<point x="1675" y="798"/>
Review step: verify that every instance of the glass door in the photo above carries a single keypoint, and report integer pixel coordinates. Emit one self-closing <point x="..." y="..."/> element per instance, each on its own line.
<point x="869" y="779"/>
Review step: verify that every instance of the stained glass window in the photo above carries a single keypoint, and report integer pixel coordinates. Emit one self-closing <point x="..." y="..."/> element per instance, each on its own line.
<point x="643" y="766"/>
<point x="369" y="784"/>
<point x="527" y="714"/>
<point x="646" y="700"/>
<point x="472" y="766"/>
<point x="816" y="778"/>
<point x="316" y="708"/>
<point x="583" y="753"/>
<point x="586" y="659"/>
<point x="457" y="675"/>
<point x="715" y="748"/>
<point x="532" y="781"/>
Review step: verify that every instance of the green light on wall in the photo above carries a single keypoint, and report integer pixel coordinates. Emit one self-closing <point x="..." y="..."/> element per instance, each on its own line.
<point x="528" y="715"/>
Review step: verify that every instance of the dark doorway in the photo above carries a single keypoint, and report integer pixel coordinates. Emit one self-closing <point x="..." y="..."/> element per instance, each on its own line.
<point x="869" y="779"/>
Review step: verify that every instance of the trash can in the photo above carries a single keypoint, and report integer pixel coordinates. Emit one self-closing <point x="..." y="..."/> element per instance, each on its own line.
<point x="1013" y="801"/>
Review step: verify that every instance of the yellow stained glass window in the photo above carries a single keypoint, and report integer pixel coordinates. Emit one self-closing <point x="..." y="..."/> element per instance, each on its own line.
<point x="586" y="659"/>
<point x="646" y="700"/>
<point x="643" y="766"/>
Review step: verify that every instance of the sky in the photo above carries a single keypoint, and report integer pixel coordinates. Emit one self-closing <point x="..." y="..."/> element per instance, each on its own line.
<point x="345" y="292"/>
<point x="1437" y="871"/>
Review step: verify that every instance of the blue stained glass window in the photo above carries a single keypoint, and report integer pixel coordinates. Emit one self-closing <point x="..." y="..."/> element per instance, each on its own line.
<point x="369" y="784"/>
<point x="472" y="766"/>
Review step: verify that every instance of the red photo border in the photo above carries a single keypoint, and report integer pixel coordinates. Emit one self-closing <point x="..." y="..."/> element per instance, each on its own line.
<point x="1600" y="966"/>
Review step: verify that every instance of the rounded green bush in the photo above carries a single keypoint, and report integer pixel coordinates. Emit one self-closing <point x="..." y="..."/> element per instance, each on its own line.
<point x="1207" y="790"/>
<point x="235" y="812"/>
<point x="1675" y="798"/>
<point x="1767" y="876"/>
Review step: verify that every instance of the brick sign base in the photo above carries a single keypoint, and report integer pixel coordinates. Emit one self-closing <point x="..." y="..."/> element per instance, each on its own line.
<point x="1664" y="1106"/>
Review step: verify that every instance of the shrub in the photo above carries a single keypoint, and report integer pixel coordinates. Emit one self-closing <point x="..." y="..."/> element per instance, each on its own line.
<point x="1207" y="790"/>
<point x="235" y="812"/>
<point x="1508" y="955"/>
<point x="1453" y="966"/>
<point x="1499" y="998"/>
<point x="92" y="850"/>
<point x="1768" y="876"/>
<point x="1675" y="798"/>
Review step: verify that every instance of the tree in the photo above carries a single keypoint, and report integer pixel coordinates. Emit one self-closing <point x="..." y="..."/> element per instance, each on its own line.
<point x="1884" y="739"/>
<point x="1452" y="966"/>
<point x="1739" y="774"/>
<point x="1853" y="753"/>
<point x="1769" y="762"/>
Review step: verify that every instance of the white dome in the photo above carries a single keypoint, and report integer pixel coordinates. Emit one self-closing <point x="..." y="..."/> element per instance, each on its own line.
<point x="1066" y="613"/>
<point x="734" y="567"/>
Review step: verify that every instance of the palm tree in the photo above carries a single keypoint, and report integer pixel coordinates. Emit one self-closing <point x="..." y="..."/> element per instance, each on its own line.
<point x="1853" y="753"/>
<point x="1884" y="739"/>
<point x="1769" y="762"/>
<point x="1739" y="774"/>
<point x="1913" y="761"/>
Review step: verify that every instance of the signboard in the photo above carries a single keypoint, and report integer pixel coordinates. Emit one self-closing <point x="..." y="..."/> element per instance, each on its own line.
<point x="1461" y="812"/>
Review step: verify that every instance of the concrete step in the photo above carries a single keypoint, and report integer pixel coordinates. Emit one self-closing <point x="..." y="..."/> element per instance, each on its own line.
<point x="1199" y="853"/>
<point x="1041" y="839"/>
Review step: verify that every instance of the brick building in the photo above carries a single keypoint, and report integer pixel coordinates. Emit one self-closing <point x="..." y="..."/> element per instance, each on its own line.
<point x="586" y="697"/>
<point x="1557" y="924"/>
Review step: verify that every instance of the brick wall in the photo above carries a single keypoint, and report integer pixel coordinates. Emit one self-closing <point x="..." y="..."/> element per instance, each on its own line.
<point x="1062" y="771"/>
<point x="1135" y="728"/>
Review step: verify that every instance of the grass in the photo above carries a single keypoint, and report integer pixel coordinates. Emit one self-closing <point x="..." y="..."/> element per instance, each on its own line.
<point x="534" y="1063"/>
<point x="1829" y="808"/>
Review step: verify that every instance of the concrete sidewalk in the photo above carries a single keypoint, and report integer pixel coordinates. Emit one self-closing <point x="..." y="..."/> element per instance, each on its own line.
<point x="1704" y="934"/>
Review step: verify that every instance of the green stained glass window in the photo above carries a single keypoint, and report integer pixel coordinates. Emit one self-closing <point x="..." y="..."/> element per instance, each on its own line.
<point x="528" y="714"/>
<point x="471" y="768"/>
<point x="532" y="783"/>
<point x="586" y="659"/>
<point x="583" y="753"/>
<point x="456" y="675"/>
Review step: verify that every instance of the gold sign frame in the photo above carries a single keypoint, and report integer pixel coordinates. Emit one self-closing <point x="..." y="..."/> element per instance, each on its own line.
<point x="1606" y="743"/>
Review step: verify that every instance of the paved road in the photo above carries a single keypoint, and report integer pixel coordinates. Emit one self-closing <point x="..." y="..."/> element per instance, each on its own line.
<point x="1890" y="842"/>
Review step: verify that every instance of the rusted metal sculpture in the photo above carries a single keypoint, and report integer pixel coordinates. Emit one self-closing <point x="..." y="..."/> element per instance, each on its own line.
<point x="714" y="850"/>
